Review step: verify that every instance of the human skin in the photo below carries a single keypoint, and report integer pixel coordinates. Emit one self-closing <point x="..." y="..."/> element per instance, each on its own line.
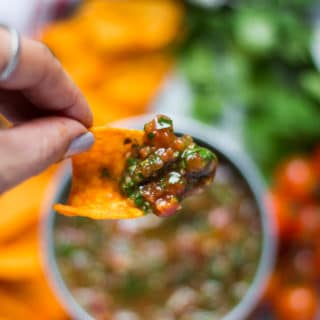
<point x="50" y="117"/>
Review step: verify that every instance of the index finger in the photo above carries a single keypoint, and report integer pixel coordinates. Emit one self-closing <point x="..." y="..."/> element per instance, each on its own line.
<point x="43" y="81"/>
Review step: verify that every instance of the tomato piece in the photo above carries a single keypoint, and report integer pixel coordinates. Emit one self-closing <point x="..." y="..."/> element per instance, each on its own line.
<point x="167" y="206"/>
<point x="297" y="178"/>
<point x="285" y="212"/>
<point x="296" y="303"/>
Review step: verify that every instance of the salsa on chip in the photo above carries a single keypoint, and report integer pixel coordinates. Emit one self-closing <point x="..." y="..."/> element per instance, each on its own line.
<point x="129" y="173"/>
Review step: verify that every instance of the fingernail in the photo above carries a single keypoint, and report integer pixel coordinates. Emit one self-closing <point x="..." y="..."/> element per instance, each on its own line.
<point x="80" y="144"/>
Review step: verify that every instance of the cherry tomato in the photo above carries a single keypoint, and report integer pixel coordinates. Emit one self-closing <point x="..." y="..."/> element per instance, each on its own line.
<point x="316" y="161"/>
<point x="285" y="212"/>
<point x="296" y="303"/>
<point x="309" y="221"/>
<point x="317" y="257"/>
<point x="272" y="285"/>
<point x="297" y="178"/>
<point x="304" y="263"/>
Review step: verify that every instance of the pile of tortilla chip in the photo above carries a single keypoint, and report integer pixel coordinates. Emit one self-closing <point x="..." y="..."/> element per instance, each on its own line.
<point x="24" y="290"/>
<point x="117" y="52"/>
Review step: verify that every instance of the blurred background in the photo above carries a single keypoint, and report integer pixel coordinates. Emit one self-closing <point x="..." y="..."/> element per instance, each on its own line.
<point x="248" y="68"/>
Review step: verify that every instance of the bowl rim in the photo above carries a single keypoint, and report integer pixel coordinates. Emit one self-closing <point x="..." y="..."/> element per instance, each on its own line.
<point x="233" y="153"/>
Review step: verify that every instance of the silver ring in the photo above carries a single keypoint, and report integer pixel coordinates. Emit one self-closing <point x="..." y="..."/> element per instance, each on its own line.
<point x="14" y="53"/>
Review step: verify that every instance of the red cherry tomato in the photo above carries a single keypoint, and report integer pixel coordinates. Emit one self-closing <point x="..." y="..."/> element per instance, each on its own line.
<point x="304" y="263"/>
<point x="316" y="161"/>
<point x="273" y="284"/>
<point x="285" y="212"/>
<point x="309" y="221"/>
<point x="297" y="178"/>
<point x="317" y="257"/>
<point x="296" y="303"/>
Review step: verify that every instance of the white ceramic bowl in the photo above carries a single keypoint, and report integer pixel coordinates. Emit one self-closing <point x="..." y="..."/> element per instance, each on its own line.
<point x="229" y="150"/>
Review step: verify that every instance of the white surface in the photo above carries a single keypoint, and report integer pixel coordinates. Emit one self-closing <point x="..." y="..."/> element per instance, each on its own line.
<point x="175" y="96"/>
<point x="208" y="3"/>
<point x="24" y="15"/>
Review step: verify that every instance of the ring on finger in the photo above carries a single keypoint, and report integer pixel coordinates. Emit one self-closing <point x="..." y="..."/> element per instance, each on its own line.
<point x="13" y="55"/>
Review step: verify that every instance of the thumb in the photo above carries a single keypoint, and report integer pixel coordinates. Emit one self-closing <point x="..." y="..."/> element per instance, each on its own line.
<point x="28" y="149"/>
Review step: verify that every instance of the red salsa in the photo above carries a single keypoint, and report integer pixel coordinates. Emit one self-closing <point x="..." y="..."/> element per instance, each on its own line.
<point x="196" y="265"/>
<point x="166" y="168"/>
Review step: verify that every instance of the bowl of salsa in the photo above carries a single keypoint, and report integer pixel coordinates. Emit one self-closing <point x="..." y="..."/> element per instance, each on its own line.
<point x="209" y="261"/>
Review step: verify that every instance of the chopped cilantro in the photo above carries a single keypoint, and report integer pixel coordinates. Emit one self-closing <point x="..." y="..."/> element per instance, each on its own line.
<point x="157" y="173"/>
<point x="131" y="161"/>
<point x="164" y="123"/>
<point x="163" y="120"/>
<point x="176" y="154"/>
<point x="162" y="184"/>
<point x="205" y="154"/>
<point x="139" y="201"/>
<point x="189" y="152"/>
<point x="127" y="185"/>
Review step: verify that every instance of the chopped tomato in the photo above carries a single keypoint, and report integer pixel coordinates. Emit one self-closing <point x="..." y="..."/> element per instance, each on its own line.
<point x="165" y="169"/>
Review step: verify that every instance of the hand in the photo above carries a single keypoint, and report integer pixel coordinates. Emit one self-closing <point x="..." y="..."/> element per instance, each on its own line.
<point x="47" y="110"/>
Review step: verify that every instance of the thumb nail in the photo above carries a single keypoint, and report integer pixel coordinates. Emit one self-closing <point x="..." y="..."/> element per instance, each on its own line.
<point x="80" y="144"/>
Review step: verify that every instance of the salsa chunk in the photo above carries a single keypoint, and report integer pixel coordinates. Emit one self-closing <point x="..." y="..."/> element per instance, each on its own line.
<point x="165" y="168"/>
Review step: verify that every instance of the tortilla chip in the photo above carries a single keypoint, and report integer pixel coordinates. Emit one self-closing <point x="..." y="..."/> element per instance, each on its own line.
<point x="37" y="294"/>
<point x="20" y="259"/>
<point x="95" y="189"/>
<point x="115" y="27"/>
<point x="21" y="206"/>
<point x="11" y="308"/>
<point x="134" y="82"/>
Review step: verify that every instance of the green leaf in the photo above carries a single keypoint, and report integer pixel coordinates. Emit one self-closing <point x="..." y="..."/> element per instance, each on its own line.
<point x="198" y="65"/>
<point x="310" y="82"/>
<point x="255" y="30"/>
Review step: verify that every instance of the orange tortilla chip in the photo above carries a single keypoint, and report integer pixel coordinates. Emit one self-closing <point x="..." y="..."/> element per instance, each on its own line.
<point x="37" y="294"/>
<point x="95" y="189"/>
<point x="12" y="308"/>
<point x="21" y="206"/>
